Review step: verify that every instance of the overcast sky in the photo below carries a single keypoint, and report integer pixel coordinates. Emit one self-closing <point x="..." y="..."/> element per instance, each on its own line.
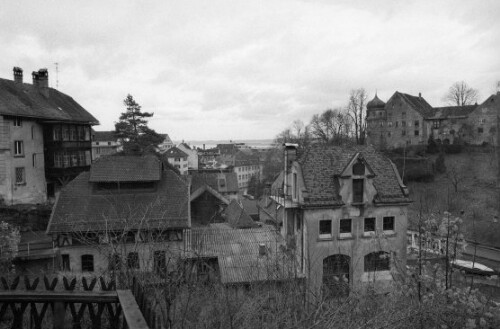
<point x="247" y="69"/>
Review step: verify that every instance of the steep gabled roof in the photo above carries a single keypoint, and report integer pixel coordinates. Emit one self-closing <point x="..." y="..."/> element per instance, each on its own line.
<point x="212" y="180"/>
<point x="236" y="216"/>
<point x="81" y="208"/>
<point x="25" y="100"/>
<point x="175" y="152"/>
<point x="322" y="165"/>
<point x="125" y="169"/>
<point x="418" y="103"/>
<point x="452" y="112"/>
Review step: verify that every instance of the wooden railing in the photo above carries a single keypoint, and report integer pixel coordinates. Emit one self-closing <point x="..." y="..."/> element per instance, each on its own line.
<point x="92" y="303"/>
<point x="154" y="313"/>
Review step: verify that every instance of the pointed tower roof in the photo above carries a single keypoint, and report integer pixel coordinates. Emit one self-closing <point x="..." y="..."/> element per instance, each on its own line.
<point x="375" y="103"/>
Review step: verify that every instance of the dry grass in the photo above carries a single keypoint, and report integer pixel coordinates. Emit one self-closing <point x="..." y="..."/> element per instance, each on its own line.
<point x="477" y="195"/>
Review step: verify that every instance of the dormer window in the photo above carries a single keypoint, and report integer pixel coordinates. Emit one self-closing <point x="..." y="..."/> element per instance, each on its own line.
<point x="357" y="190"/>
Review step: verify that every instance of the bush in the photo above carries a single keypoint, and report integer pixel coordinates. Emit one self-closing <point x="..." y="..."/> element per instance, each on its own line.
<point x="432" y="146"/>
<point x="439" y="164"/>
<point x="452" y="148"/>
<point x="415" y="169"/>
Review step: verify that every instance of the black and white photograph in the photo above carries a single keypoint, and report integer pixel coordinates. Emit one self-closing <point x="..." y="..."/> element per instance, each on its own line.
<point x="258" y="164"/>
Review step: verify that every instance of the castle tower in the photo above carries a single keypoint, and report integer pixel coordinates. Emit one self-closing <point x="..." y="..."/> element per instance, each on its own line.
<point x="376" y="118"/>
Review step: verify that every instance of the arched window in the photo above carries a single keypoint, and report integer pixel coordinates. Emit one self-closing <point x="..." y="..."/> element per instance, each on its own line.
<point x="377" y="261"/>
<point x="88" y="263"/>
<point x="336" y="274"/>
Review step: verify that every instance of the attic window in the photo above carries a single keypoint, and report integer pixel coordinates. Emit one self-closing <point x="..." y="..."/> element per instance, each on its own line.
<point x="358" y="169"/>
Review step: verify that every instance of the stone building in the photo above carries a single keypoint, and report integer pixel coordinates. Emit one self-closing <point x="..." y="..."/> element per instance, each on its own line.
<point x="410" y="120"/>
<point x="44" y="139"/>
<point x="345" y="215"/>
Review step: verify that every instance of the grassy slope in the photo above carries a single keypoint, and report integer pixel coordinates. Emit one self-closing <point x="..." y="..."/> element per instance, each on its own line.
<point x="478" y="195"/>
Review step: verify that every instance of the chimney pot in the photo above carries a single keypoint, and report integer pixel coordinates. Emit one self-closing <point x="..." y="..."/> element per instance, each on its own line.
<point x="35" y="78"/>
<point x="419" y="95"/>
<point x="18" y="74"/>
<point x="43" y="78"/>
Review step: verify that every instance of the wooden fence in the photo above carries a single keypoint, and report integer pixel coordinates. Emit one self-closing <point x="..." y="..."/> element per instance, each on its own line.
<point x="92" y="302"/>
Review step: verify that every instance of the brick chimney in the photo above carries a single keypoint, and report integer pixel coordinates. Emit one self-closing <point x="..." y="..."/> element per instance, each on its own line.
<point x="18" y="74"/>
<point x="419" y="95"/>
<point x="41" y="81"/>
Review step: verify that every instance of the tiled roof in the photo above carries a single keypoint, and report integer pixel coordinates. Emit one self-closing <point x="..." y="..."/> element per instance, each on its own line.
<point x="25" y="100"/>
<point x="80" y="208"/>
<point x="211" y="179"/>
<point x="125" y="169"/>
<point x="236" y="216"/>
<point x="166" y="138"/>
<point x="175" y="152"/>
<point x="452" y="111"/>
<point x="418" y="103"/>
<point x="104" y="136"/>
<point x="237" y="251"/>
<point x="270" y="210"/>
<point x="250" y="206"/>
<point x="321" y="165"/>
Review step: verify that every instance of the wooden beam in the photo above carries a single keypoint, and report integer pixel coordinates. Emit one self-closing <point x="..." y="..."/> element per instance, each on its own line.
<point x="56" y="296"/>
<point x="131" y="312"/>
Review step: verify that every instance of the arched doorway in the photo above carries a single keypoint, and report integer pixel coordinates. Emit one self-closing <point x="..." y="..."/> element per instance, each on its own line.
<point x="336" y="275"/>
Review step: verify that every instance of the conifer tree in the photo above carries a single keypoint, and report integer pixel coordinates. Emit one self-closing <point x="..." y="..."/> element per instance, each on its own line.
<point x="133" y="129"/>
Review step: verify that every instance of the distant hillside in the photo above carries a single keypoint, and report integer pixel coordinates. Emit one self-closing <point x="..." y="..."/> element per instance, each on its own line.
<point x="477" y="194"/>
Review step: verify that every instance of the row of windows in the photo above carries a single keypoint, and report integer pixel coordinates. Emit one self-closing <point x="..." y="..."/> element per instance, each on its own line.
<point x="345" y="226"/>
<point x="132" y="262"/>
<point x="179" y="159"/>
<point x="72" y="159"/>
<point x="247" y="168"/>
<point x="70" y="133"/>
<point x="245" y="176"/>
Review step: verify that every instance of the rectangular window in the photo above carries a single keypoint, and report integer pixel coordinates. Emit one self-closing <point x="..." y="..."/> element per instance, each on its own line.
<point x="34" y="160"/>
<point x="81" y="133"/>
<point x="436" y="124"/>
<point x="87" y="133"/>
<point x="345" y="227"/>
<point x="65" y="133"/>
<point x="403" y="113"/>
<point x="65" y="262"/>
<point x="403" y="132"/>
<point x="389" y="223"/>
<point x="56" y="130"/>
<point x="357" y="190"/>
<point x="18" y="122"/>
<point x="417" y="123"/>
<point x="18" y="148"/>
<point x="20" y="175"/>
<point x="177" y="159"/>
<point x="325" y="229"/>
<point x="88" y="263"/>
<point x="480" y="130"/>
<point x="417" y="132"/>
<point x="403" y="123"/>
<point x="133" y="260"/>
<point x="369" y="224"/>
<point x="396" y="123"/>
<point x="66" y="161"/>
<point x="58" y="160"/>
<point x="74" y="159"/>
<point x="88" y="158"/>
<point x="73" y="133"/>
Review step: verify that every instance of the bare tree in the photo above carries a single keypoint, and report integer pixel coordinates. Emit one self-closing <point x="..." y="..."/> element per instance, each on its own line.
<point x="461" y="94"/>
<point x="355" y="110"/>
<point x="331" y="126"/>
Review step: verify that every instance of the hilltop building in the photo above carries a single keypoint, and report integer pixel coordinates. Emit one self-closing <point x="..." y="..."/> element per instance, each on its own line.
<point x="45" y="139"/>
<point x="410" y="120"/>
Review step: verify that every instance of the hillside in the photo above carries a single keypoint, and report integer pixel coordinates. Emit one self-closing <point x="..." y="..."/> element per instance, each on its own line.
<point x="477" y="194"/>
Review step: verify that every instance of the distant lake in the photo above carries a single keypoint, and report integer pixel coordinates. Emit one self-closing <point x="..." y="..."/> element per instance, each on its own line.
<point x="253" y="143"/>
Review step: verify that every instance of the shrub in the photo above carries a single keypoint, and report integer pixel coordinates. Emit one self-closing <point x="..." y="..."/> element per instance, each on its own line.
<point x="452" y="148"/>
<point x="432" y="146"/>
<point x="440" y="165"/>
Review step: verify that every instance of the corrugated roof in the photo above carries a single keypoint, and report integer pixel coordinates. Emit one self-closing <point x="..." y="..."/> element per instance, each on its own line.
<point x="237" y="251"/>
<point x="321" y="165"/>
<point x="125" y="169"/>
<point x="80" y="207"/>
<point x="25" y="100"/>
